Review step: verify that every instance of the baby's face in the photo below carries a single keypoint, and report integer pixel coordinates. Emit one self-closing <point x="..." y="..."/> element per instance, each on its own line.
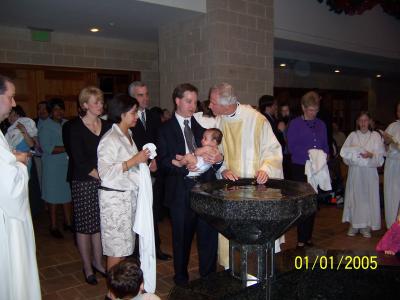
<point x="207" y="140"/>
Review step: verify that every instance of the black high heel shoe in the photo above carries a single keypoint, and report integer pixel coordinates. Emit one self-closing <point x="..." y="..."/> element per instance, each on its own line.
<point x="68" y="228"/>
<point x="104" y="274"/>
<point x="91" y="279"/>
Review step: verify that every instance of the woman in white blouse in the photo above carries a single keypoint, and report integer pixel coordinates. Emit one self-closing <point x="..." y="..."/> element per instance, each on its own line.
<point x="392" y="170"/>
<point x="363" y="152"/>
<point x="118" y="167"/>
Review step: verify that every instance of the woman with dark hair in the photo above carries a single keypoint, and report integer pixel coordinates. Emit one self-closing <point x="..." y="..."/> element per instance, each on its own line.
<point x="363" y="152"/>
<point x="268" y="106"/>
<point x="84" y="137"/>
<point x="118" y="167"/>
<point x="55" y="188"/>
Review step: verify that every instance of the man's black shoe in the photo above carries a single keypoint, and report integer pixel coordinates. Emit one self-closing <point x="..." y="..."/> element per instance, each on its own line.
<point x="163" y="256"/>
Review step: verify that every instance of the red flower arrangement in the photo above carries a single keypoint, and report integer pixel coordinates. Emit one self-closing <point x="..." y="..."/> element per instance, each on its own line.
<point x="357" y="7"/>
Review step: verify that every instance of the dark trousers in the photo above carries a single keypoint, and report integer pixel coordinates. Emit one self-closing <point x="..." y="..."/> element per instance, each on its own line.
<point x="185" y="223"/>
<point x="158" y="191"/>
<point x="305" y="227"/>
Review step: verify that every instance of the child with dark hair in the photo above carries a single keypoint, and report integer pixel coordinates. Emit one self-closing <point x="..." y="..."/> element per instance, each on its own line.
<point x="125" y="281"/>
<point x="212" y="137"/>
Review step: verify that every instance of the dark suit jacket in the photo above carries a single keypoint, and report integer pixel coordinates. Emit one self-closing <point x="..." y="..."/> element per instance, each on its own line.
<point x="143" y="136"/>
<point x="279" y="135"/>
<point x="326" y="117"/>
<point x="171" y="142"/>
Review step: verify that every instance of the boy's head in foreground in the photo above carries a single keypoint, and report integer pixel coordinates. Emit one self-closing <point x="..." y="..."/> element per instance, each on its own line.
<point x="125" y="279"/>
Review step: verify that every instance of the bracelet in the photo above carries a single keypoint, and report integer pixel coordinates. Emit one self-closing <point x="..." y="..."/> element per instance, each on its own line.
<point x="126" y="165"/>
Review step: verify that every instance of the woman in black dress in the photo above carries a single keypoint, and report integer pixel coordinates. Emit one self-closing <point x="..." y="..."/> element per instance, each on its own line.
<point x="85" y="134"/>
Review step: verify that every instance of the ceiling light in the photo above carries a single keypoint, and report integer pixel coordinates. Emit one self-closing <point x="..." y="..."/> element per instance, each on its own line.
<point x="378" y="75"/>
<point x="94" y="29"/>
<point x="282" y="65"/>
<point x="337" y="71"/>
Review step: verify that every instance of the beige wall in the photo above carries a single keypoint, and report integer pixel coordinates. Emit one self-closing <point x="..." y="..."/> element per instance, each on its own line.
<point x="232" y="42"/>
<point x="71" y="50"/>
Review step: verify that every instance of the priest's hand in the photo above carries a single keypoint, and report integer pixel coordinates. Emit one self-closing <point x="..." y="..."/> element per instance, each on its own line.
<point x="261" y="177"/>
<point x="212" y="156"/>
<point x="228" y="174"/>
<point x="22" y="157"/>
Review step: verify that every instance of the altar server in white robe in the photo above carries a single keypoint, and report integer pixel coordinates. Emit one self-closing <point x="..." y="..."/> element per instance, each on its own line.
<point x="363" y="152"/>
<point x="18" y="268"/>
<point x="249" y="146"/>
<point x="391" y="137"/>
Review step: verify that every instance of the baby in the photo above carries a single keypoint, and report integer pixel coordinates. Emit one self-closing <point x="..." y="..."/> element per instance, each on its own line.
<point x="212" y="137"/>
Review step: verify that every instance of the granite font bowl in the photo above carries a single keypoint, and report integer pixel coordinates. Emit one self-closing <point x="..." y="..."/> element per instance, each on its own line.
<point x="248" y="213"/>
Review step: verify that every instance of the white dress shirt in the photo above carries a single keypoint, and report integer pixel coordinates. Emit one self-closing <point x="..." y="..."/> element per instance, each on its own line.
<point x="182" y="126"/>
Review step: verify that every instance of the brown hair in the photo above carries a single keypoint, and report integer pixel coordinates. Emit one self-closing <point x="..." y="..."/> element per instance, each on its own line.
<point x="181" y="89"/>
<point x="125" y="278"/>
<point x="216" y="134"/>
<point x="364" y="113"/>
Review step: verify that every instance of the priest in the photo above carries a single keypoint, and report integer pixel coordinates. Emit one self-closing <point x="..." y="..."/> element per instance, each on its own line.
<point x="18" y="272"/>
<point x="249" y="145"/>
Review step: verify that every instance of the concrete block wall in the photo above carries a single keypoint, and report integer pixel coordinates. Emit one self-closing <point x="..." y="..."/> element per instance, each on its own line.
<point x="232" y="42"/>
<point x="82" y="51"/>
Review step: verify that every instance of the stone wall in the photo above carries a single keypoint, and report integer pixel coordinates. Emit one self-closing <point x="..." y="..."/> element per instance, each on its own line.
<point x="82" y="51"/>
<point x="232" y="42"/>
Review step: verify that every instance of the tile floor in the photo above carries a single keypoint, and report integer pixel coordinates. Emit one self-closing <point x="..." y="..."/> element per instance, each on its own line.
<point x="61" y="272"/>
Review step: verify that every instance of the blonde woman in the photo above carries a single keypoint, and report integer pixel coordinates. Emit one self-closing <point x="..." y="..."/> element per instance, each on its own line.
<point x="85" y="134"/>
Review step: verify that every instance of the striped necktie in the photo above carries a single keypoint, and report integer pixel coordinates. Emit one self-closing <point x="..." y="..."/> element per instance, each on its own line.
<point x="190" y="142"/>
<point x="143" y="118"/>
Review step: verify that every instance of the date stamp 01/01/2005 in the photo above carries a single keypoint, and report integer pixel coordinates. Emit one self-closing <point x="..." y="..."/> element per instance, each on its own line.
<point x="348" y="262"/>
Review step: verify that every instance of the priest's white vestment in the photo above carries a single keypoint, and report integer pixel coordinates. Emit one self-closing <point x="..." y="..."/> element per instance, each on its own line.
<point x="248" y="145"/>
<point x="392" y="173"/>
<point x="19" y="279"/>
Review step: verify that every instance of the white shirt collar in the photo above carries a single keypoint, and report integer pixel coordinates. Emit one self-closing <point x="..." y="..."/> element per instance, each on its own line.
<point x="235" y="112"/>
<point x="182" y="119"/>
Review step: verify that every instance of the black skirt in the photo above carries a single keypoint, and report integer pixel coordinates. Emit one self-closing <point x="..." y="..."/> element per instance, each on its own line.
<point x="86" y="211"/>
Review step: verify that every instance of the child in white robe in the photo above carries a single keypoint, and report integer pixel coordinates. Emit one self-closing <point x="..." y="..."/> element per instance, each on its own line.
<point x="363" y="152"/>
<point x="391" y="189"/>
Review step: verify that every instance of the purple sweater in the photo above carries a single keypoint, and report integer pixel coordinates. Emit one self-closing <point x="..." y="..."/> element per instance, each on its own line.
<point x="305" y="135"/>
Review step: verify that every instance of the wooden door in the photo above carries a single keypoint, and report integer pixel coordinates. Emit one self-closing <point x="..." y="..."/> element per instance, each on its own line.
<point x="63" y="84"/>
<point x="37" y="83"/>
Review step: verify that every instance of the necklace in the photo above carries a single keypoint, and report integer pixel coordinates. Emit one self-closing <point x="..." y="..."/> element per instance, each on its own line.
<point x="94" y="127"/>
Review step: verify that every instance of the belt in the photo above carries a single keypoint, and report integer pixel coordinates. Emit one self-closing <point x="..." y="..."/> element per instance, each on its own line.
<point x="194" y="178"/>
<point x="109" y="189"/>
